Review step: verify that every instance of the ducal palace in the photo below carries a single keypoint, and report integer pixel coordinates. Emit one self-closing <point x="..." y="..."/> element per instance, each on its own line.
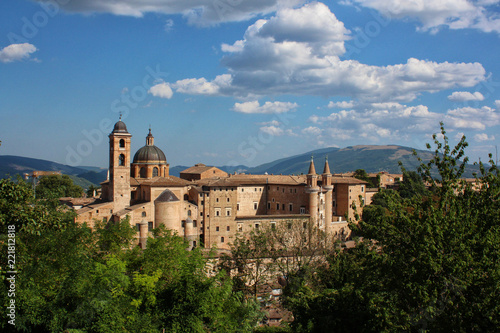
<point x="208" y="206"/>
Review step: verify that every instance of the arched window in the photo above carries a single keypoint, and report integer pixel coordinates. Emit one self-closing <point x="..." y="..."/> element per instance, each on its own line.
<point x="155" y="172"/>
<point x="189" y="212"/>
<point x="143" y="214"/>
<point x="121" y="160"/>
<point x="143" y="172"/>
<point x="122" y="143"/>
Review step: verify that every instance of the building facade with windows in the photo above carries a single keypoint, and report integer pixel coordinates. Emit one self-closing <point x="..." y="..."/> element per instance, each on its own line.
<point x="209" y="207"/>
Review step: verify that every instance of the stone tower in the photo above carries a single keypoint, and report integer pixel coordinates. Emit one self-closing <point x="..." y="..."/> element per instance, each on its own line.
<point x="326" y="180"/>
<point x="312" y="189"/>
<point x="119" y="166"/>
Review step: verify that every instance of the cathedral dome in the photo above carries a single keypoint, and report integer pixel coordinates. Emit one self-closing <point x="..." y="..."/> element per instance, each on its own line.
<point x="150" y="154"/>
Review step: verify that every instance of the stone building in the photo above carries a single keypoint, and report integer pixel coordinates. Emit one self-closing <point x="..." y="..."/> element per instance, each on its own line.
<point x="209" y="207"/>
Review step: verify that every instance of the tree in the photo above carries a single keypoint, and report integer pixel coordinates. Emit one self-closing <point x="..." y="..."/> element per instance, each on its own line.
<point x="426" y="263"/>
<point x="57" y="186"/>
<point x="91" y="190"/>
<point x="71" y="278"/>
<point x="362" y="175"/>
<point x="411" y="185"/>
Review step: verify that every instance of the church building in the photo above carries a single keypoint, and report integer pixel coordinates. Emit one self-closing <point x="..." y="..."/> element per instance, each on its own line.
<point x="209" y="207"/>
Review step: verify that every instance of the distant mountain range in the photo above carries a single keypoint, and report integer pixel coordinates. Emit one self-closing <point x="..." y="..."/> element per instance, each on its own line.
<point x="369" y="157"/>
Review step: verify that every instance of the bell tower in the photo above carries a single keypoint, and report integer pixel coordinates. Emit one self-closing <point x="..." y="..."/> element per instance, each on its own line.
<point x="119" y="166"/>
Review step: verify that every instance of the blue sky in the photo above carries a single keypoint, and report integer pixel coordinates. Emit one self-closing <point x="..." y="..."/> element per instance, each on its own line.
<point x="246" y="82"/>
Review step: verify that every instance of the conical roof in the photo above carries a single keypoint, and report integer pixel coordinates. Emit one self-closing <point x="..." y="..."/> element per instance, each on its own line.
<point x="167" y="196"/>
<point x="312" y="169"/>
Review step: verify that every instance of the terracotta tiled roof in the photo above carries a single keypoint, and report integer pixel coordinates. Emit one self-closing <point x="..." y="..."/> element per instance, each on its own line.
<point x="347" y="180"/>
<point x="241" y="179"/>
<point x="198" y="169"/>
<point x="92" y="207"/>
<point x="160" y="181"/>
<point x="130" y="209"/>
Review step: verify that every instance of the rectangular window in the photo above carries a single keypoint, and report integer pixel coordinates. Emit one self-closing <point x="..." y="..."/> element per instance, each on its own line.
<point x="228" y="211"/>
<point x="138" y="226"/>
<point x="273" y="225"/>
<point x="150" y="226"/>
<point x="278" y="206"/>
<point x="222" y="239"/>
<point x="238" y="206"/>
<point x="290" y="207"/>
<point x="240" y="227"/>
<point x="216" y="228"/>
<point x="227" y="199"/>
<point x="217" y="211"/>
<point x="268" y="205"/>
<point x="257" y="226"/>
<point x="255" y="206"/>
<point x="228" y="228"/>
<point x="216" y="199"/>
<point x="283" y="206"/>
<point x="302" y="210"/>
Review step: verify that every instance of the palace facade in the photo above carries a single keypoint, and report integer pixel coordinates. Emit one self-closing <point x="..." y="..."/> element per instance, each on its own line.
<point x="208" y="206"/>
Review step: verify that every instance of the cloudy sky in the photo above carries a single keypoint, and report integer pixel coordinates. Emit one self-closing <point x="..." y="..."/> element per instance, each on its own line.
<point x="246" y="81"/>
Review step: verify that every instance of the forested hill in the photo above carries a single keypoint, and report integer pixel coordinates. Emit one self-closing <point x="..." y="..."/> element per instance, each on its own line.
<point x="371" y="158"/>
<point x="10" y="166"/>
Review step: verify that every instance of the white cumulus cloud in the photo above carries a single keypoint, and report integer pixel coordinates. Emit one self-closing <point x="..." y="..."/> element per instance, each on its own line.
<point x="378" y="121"/>
<point x="463" y="96"/>
<point x="16" y="52"/>
<point x="290" y="53"/>
<point x="161" y="90"/>
<point x="197" y="12"/>
<point x="483" y="137"/>
<point x="312" y="130"/>
<point x="434" y="14"/>
<point x="272" y="130"/>
<point x="267" y="107"/>
<point x="341" y="105"/>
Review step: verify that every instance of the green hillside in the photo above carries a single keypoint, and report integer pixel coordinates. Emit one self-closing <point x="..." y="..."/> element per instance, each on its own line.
<point x="369" y="157"/>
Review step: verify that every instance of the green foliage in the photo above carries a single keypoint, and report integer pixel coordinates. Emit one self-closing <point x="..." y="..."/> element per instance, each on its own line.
<point x="411" y="185"/>
<point x="90" y="191"/>
<point x="427" y="262"/>
<point x="57" y="186"/>
<point x="73" y="279"/>
<point x="362" y="175"/>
